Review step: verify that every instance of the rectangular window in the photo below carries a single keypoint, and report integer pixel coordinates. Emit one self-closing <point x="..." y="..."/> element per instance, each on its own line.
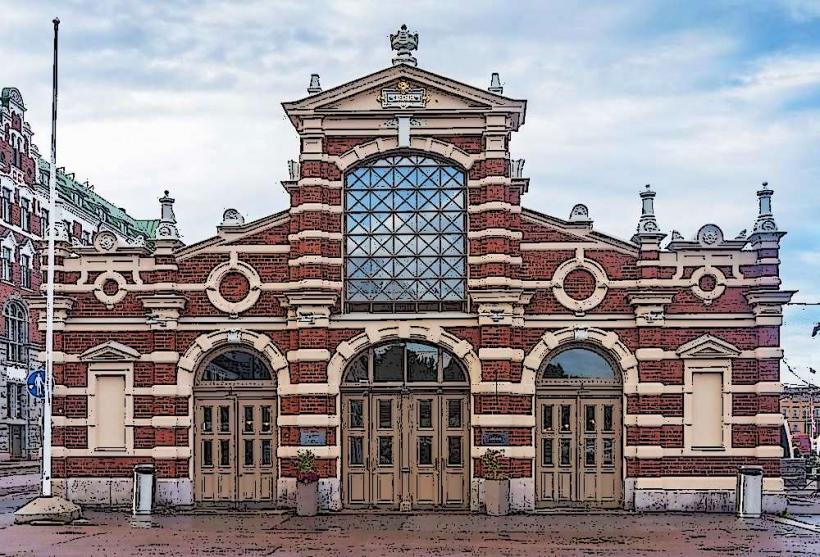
<point x="248" y="422"/>
<point x="707" y="418"/>
<point x="44" y="222"/>
<point x="454" y="413"/>
<point x="266" y="419"/>
<point x="356" y="414"/>
<point x="589" y="451"/>
<point x="589" y="418"/>
<point x="385" y="414"/>
<point x="110" y="411"/>
<point x="86" y="238"/>
<point x="608" y="454"/>
<point x="25" y="214"/>
<point x="224" y="452"/>
<point x="25" y="271"/>
<point x="5" y="205"/>
<point x="565" y="419"/>
<point x="546" y="453"/>
<point x="454" y="456"/>
<point x="267" y="452"/>
<point x="11" y="398"/>
<point x="546" y="417"/>
<point x="224" y="419"/>
<point x="425" y="455"/>
<point x="248" y="452"/>
<point x="565" y="452"/>
<point x="207" y="419"/>
<point x="607" y="418"/>
<point x="207" y="453"/>
<point x="385" y="451"/>
<point x="425" y="414"/>
<point x="7" y="257"/>
<point x="356" y="454"/>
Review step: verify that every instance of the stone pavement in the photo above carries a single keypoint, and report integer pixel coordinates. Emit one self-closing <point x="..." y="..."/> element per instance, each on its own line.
<point x="377" y="535"/>
<point x="19" y="477"/>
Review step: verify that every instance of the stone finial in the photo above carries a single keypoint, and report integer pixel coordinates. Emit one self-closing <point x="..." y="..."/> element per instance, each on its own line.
<point x="232" y="217"/>
<point x="404" y="43"/>
<point x="579" y="213"/>
<point x="741" y="235"/>
<point x="495" y="84"/>
<point x="314" y="86"/>
<point x="765" y="220"/>
<point x="647" y="225"/>
<point x="294" y="170"/>
<point x="676" y="236"/>
<point x="167" y="228"/>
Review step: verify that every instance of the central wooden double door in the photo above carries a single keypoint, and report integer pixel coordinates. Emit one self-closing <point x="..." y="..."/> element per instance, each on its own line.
<point x="406" y="451"/>
<point x="579" y="452"/>
<point x="235" y="449"/>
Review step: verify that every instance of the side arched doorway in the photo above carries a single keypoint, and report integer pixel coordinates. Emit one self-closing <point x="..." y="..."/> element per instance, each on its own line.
<point x="579" y="430"/>
<point x="405" y="428"/>
<point x="235" y="430"/>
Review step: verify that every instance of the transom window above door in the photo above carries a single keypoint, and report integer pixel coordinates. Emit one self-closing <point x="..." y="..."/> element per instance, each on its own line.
<point x="235" y="365"/>
<point x="405" y="235"/>
<point x="576" y="364"/>
<point x="405" y="362"/>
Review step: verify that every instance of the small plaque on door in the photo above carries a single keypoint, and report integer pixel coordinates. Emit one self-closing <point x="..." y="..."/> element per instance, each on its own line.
<point x="313" y="438"/>
<point x="495" y="438"/>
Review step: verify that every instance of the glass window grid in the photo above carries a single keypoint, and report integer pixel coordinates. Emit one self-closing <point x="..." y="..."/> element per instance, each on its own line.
<point x="440" y="369"/>
<point x="405" y="236"/>
<point x="16" y="319"/>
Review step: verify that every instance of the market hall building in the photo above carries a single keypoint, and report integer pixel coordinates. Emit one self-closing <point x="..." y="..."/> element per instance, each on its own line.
<point x="405" y="314"/>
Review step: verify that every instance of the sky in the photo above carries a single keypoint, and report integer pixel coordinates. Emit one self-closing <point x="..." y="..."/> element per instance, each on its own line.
<point x="702" y="99"/>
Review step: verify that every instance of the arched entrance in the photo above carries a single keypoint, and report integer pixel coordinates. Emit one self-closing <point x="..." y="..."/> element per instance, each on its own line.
<point x="405" y="426"/>
<point x="579" y="429"/>
<point x="235" y="430"/>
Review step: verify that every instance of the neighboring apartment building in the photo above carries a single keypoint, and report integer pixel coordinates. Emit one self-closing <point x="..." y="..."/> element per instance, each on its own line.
<point x="800" y="405"/>
<point x="23" y="217"/>
<point x="403" y="315"/>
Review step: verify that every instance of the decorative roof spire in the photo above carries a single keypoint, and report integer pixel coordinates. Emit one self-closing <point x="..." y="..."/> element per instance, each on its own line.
<point x="314" y="86"/>
<point x="495" y="84"/>
<point x="765" y="219"/>
<point x="404" y="43"/>
<point x="167" y="228"/>
<point x="647" y="225"/>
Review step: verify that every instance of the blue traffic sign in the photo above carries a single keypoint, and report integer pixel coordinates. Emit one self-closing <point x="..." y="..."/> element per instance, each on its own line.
<point x="36" y="383"/>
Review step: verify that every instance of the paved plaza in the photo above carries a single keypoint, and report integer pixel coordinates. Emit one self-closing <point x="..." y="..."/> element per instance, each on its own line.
<point x="280" y="534"/>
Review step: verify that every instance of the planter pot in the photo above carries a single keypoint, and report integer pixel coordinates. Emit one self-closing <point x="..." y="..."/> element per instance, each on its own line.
<point x="307" y="498"/>
<point x="497" y="497"/>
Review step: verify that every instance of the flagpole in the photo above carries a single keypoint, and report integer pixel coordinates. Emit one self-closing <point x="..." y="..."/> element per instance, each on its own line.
<point x="52" y="210"/>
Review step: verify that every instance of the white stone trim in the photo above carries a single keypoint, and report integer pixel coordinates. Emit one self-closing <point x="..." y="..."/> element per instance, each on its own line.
<point x="655" y="452"/>
<point x="502" y="420"/>
<point x="161" y="453"/>
<point x="234" y="265"/>
<point x="701" y="482"/>
<point x="315" y="207"/>
<point x="517" y="451"/>
<point x="494" y="233"/>
<point x="494" y="258"/>
<point x="314" y="260"/>
<point x="579" y="264"/>
<point x="102" y="297"/>
<point x="315" y="234"/>
<point x="309" y="355"/>
<point x="324" y="451"/>
<point x="507" y="354"/>
<point x="308" y="420"/>
<point x="494" y="206"/>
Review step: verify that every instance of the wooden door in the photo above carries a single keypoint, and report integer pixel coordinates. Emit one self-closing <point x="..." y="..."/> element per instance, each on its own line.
<point x="424" y="450"/>
<point x="215" y="451"/>
<point x="600" y="447"/>
<point x="454" y="451"/>
<point x="235" y="450"/>
<point x="556" y="481"/>
<point x="356" y="423"/>
<point x="256" y="451"/>
<point x="385" y="450"/>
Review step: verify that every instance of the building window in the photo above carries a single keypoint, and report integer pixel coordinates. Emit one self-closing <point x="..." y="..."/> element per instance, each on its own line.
<point x="16" y="398"/>
<point x="25" y="214"/>
<point x="5" y="269"/>
<point x="406" y="242"/>
<point x="16" y="332"/>
<point x="86" y="238"/>
<point x="707" y="421"/>
<point x="5" y="207"/>
<point x="25" y="270"/>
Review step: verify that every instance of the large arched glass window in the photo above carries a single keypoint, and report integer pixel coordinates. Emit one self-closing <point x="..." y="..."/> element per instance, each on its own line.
<point x="16" y="321"/>
<point x="579" y="364"/>
<point x="406" y="244"/>
<point x="236" y="365"/>
<point x="405" y="362"/>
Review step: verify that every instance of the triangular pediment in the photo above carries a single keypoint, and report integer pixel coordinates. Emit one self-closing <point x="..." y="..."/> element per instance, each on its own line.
<point x="708" y="346"/>
<point x="111" y="351"/>
<point x="441" y="94"/>
<point x="552" y="229"/>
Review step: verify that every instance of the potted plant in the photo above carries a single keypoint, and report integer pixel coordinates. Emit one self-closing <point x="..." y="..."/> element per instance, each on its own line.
<point x="307" y="484"/>
<point x="496" y="484"/>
